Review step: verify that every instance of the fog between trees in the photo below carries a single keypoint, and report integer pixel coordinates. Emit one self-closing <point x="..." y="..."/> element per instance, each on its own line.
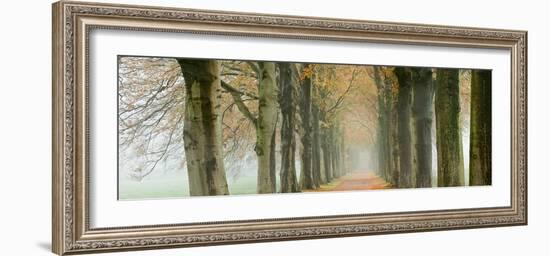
<point x="219" y="126"/>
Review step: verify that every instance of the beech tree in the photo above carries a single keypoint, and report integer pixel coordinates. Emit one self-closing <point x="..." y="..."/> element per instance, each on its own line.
<point x="422" y="114"/>
<point x="317" y="168"/>
<point x="202" y="129"/>
<point x="406" y="78"/>
<point x="265" y="126"/>
<point x="306" y="179"/>
<point x="383" y="142"/>
<point x="480" y="128"/>
<point x="287" y="102"/>
<point x="450" y="162"/>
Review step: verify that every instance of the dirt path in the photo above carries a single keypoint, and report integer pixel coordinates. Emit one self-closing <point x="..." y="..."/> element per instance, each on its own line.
<point x="361" y="181"/>
<point x="356" y="181"/>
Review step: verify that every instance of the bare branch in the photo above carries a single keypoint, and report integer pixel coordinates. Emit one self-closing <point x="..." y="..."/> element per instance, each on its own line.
<point x="341" y="98"/>
<point x="232" y="90"/>
<point x="164" y="151"/>
<point x="240" y="103"/>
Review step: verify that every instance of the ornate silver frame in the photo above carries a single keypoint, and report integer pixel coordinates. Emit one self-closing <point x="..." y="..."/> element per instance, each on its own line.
<point x="72" y="22"/>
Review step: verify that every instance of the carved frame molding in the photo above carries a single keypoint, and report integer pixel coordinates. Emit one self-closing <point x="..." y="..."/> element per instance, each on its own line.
<point x="72" y="22"/>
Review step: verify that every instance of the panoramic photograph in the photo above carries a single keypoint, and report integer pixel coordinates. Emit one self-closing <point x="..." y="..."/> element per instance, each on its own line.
<point x="212" y="127"/>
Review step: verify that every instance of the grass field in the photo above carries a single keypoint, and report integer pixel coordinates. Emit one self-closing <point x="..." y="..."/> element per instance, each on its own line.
<point x="175" y="186"/>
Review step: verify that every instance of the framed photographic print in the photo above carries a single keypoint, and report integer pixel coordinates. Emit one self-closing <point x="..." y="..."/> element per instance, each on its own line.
<point x="178" y="127"/>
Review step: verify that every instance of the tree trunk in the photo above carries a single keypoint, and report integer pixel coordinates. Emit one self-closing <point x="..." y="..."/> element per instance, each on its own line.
<point x="327" y="158"/>
<point x="387" y="129"/>
<point x="202" y="132"/>
<point x="450" y="163"/>
<point x="480" y="128"/>
<point x="265" y="127"/>
<point x="336" y="152"/>
<point x="394" y="143"/>
<point x="422" y="112"/>
<point x="288" y="84"/>
<point x="343" y="154"/>
<point x="383" y="135"/>
<point x="305" y="114"/>
<point x="323" y="174"/>
<point x="316" y="145"/>
<point x="405" y="78"/>
<point x="383" y="145"/>
<point x="273" y="157"/>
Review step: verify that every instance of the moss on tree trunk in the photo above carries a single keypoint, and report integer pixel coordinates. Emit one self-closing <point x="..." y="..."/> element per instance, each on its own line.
<point x="450" y="163"/>
<point x="480" y="128"/>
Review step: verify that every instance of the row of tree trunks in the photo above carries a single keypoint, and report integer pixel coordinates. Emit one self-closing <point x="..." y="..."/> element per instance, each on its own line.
<point x="328" y="161"/>
<point x="404" y="133"/>
<point x="449" y="141"/>
<point x="408" y="120"/>
<point x="321" y="151"/>
<point x="328" y="147"/>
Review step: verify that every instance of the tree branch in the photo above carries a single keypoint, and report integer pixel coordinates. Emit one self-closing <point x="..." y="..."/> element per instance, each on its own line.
<point x="254" y="67"/>
<point x="232" y="89"/>
<point x="341" y="98"/>
<point x="163" y="153"/>
<point x="236" y="94"/>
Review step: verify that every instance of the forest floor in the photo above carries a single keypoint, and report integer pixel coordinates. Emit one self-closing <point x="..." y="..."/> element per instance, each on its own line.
<point x="359" y="180"/>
